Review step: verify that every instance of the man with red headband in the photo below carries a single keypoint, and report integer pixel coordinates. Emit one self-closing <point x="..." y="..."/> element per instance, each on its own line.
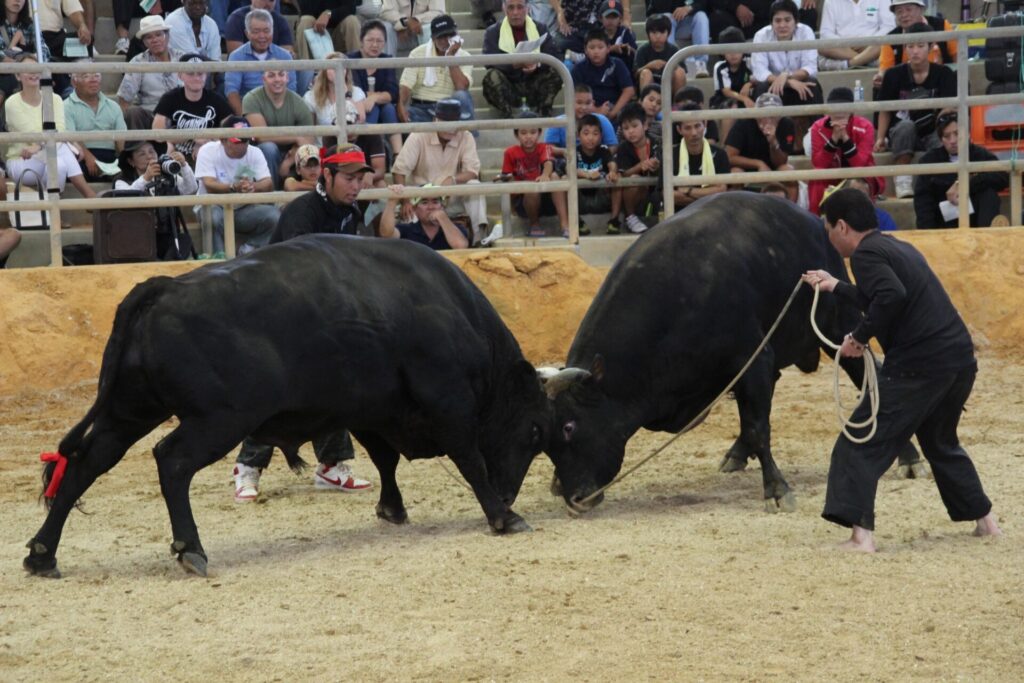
<point x="330" y="208"/>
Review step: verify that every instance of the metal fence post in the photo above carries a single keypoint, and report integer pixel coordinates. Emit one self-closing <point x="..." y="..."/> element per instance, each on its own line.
<point x="963" y="177"/>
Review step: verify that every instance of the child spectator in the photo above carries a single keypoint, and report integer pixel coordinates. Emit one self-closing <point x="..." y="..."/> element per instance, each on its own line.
<point x="583" y="105"/>
<point x="621" y="39"/>
<point x="607" y="76"/>
<point x="650" y="100"/>
<point x="651" y="57"/>
<point x="306" y="170"/>
<point x="532" y="160"/>
<point x="594" y="161"/>
<point x="638" y="155"/>
<point x="733" y="80"/>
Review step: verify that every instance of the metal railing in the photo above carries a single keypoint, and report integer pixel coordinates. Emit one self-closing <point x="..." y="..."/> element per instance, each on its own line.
<point x="962" y="167"/>
<point x="51" y="137"/>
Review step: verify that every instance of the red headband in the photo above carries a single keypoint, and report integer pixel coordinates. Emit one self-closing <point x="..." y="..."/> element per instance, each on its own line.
<point x="349" y="156"/>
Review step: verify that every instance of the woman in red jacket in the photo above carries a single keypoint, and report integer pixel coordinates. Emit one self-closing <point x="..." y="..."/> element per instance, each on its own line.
<point x="841" y="141"/>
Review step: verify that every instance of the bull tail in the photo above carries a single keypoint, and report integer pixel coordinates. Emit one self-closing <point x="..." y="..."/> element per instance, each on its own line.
<point x="294" y="460"/>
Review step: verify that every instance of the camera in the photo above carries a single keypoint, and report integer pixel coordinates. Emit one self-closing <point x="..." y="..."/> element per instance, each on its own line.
<point x="168" y="165"/>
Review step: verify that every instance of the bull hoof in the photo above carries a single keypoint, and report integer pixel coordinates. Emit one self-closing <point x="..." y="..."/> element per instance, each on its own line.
<point x="556" y="487"/>
<point x="389" y="514"/>
<point x="513" y="524"/>
<point x="917" y="470"/>
<point x="785" y="503"/>
<point x="194" y="563"/>
<point x="40" y="561"/>
<point x="730" y="464"/>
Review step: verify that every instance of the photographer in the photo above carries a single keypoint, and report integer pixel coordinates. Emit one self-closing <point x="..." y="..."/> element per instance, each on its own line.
<point x="142" y="169"/>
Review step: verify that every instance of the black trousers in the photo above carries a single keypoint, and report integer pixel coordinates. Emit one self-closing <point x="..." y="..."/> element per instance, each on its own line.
<point x="928" y="406"/>
<point x="329" y="450"/>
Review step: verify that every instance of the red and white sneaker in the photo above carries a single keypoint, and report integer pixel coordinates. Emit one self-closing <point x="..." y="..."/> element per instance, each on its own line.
<point x="247" y="483"/>
<point x="339" y="478"/>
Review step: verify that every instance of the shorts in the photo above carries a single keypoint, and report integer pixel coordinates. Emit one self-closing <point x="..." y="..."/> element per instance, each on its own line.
<point x="547" y="206"/>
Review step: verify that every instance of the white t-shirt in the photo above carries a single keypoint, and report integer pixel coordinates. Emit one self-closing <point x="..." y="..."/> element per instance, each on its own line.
<point x="849" y="19"/>
<point x="213" y="162"/>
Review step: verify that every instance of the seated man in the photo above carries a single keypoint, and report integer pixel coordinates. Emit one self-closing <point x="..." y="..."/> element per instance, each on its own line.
<point x="430" y="224"/>
<point x="88" y="109"/>
<point x="697" y="157"/>
<point x="259" y="29"/>
<point x="853" y="19"/>
<point x="192" y="31"/>
<point x="421" y="88"/>
<point x="443" y="158"/>
<point x="407" y="22"/>
<point x="934" y="193"/>
<point x="234" y="31"/>
<point x="908" y="13"/>
<point x="233" y="165"/>
<point x="273" y="104"/>
<point x="191" y="107"/>
<point x="607" y="76"/>
<point x="140" y="92"/>
<point x="336" y="18"/>
<point x="914" y="129"/>
<point x="507" y="88"/>
<point x="762" y="144"/>
<point x="841" y="140"/>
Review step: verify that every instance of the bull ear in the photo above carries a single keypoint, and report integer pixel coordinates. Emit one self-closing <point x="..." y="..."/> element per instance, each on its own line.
<point x="597" y="368"/>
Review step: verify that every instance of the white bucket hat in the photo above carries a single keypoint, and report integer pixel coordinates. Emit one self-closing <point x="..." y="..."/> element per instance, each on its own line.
<point x="151" y="24"/>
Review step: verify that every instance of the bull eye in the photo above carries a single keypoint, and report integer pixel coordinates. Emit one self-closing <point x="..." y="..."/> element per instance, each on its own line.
<point x="568" y="428"/>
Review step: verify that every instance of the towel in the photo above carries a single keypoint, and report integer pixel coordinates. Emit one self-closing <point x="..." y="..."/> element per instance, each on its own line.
<point x="707" y="161"/>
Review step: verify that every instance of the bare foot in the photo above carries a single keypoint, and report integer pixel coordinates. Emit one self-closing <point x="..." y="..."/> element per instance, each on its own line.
<point x="862" y="540"/>
<point x="987" y="526"/>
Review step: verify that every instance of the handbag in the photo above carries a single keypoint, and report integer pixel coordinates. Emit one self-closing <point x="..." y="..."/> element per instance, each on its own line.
<point x="30" y="220"/>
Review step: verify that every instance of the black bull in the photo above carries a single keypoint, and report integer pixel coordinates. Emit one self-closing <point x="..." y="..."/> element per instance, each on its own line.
<point x="386" y="338"/>
<point x="677" y="317"/>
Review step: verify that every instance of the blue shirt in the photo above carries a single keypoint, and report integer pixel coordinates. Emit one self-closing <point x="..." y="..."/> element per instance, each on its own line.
<point x="242" y="82"/>
<point x="556" y="136"/>
<point x="415" y="233"/>
<point x="606" y="81"/>
<point x="885" y="221"/>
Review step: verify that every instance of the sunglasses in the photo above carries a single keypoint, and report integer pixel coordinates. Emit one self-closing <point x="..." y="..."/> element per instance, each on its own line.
<point x="943" y="119"/>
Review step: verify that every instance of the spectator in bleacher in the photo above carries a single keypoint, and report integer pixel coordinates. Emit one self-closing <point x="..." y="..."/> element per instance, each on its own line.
<point x="306" y="170"/>
<point x="52" y="14"/>
<point x="734" y="82"/>
<point x="336" y="18"/>
<point x="506" y="88"/>
<point x="639" y="155"/>
<point x="914" y="130"/>
<point x="126" y="10"/>
<point x="841" y="140"/>
<point x="487" y="11"/>
<point x="574" y="21"/>
<point x="23" y="113"/>
<point x="650" y="101"/>
<point x="443" y="158"/>
<point x="531" y="161"/>
<point x="583" y="106"/>
<point x="621" y="39"/>
<point x="139" y="167"/>
<point x="691" y="94"/>
<point x="322" y="98"/>
<point x="407" y="22"/>
<point x="596" y="161"/>
<point x="930" y="191"/>
<point x="234" y="32"/>
<point x="429" y="223"/>
<point x="853" y="19"/>
<point x="697" y="157"/>
<point x="140" y="92"/>
<point x="421" y="88"/>
<point x="885" y="221"/>
<point x="10" y="238"/>
<point x="190" y="107"/>
<point x="88" y="109"/>
<point x="16" y="30"/>
<point x="688" y="21"/>
<point x="274" y="105"/>
<point x="790" y="75"/>
<point x="259" y="29"/>
<point x="607" y="76"/>
<point x="379" y="84"/>
<point x="749" y="16"/>
<point x="192" y="31"/>
<point x="233" y="165"/>
<point x="651" y="57"/>
<point x="909" y="13"/>
<point x="762" y="144"/>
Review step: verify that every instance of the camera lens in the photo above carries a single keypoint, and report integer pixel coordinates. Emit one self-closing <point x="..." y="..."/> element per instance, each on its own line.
<point x="170" y="166"/>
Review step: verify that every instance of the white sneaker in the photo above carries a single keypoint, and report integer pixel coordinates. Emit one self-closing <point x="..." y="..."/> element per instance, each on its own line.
<point x="121" y="46"/>
<point x="702" y="70"/>
<point x="338" y="478"/>
<point x="497" y="232"/>
<point x="634" y="224"/>
<point x="247" y="483"/>
<point x="904" y="186"/>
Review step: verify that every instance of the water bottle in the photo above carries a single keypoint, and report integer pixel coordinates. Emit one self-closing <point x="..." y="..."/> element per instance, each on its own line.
<point x="858" y="92"/>
<point x="524" y="108"/>
<point x="371" y="81"/>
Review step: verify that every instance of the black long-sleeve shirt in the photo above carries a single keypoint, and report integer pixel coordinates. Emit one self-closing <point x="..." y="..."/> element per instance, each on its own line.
<point x="906" y="309"/>
<point x="930" y="190"/>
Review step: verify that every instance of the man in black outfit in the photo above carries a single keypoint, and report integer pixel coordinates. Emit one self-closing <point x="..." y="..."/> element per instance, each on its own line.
<point x="925" y="380"/>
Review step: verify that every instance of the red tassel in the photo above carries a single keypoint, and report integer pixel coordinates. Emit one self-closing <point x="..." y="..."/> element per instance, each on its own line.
<point x="58" y="472"/>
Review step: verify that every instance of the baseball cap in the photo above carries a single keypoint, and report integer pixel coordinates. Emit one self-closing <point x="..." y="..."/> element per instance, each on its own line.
<point x="443" y="25"/>
<point x="193" y="57"/>
<point x="306" y="153"/>
<point x="894" y="3"/>
<point x="346" y="157"/>
<point x="609" y="7"/>
<point x="768" y="99"/>
<point x="236" y="122"/>
<point x="448" y="110"/>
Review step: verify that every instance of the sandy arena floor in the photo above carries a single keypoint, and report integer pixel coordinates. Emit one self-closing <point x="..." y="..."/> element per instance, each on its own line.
<point x="679" y="575"/>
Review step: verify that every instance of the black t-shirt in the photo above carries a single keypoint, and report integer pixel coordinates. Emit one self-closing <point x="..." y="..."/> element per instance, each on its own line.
<point x="183" y="114"/>
<point x="415" y="233"/>
<point x="312" y="213"/>
<point x="627" y="157"/>
<point x="747" y="137"/>
<point x="596" y="161"/>
<point x="645" y="53"/>
<point x="719" y="155"/>
<point x="898" y="84"/>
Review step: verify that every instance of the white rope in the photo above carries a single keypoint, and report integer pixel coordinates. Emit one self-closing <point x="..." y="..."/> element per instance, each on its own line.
<point x="868" y="387"/>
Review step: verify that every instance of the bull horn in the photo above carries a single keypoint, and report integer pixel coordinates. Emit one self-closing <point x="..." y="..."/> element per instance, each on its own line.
<point x="563" y="379"/>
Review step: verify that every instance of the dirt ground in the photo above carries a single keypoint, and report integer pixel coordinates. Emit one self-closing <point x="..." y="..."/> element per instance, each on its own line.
<point x="679" y="575"/>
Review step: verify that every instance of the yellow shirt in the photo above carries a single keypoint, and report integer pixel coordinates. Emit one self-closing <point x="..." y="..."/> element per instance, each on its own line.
<point x="413" y="77"/>
<point x="23" y="118"/>
<point x="423" y="159"/>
